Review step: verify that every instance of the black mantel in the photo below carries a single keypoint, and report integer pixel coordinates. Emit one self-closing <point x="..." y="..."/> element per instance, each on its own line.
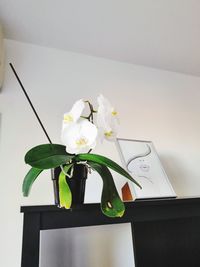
<point x="166" y="232"/>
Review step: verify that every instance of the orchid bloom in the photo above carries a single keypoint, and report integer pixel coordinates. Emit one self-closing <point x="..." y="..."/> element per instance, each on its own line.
<point x="80" y="137"/>
<point x="107" y="119"/>
<point x="74" y="114"/>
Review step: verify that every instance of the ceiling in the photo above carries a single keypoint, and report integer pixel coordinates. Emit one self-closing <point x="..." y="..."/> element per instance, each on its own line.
<point x="162" y="34"/>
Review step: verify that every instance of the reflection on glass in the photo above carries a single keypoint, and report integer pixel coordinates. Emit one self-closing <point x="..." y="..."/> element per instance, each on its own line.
<point x="93" y="246"/>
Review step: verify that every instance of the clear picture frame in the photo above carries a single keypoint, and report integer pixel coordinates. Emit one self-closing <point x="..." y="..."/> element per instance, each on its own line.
<point x="141" y="160"/>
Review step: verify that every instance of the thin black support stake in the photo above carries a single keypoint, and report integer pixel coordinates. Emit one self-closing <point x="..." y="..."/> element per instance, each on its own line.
<point x="27" y="97"/>
<point x="44" y="130"/>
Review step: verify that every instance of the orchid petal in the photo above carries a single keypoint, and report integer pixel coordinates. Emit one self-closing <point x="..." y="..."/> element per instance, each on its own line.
<point x="107" y="119"/>
<point x="74" y="114"/>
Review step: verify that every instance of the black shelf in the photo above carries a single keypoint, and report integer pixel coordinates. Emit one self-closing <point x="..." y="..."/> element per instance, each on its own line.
<point x="136" y="203"/>
<point x="166" y="231"/>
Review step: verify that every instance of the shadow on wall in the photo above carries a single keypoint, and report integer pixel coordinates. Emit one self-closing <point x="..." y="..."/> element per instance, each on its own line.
<point x="177" y="173"/>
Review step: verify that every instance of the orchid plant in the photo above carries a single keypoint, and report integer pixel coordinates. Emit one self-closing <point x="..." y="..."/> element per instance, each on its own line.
<point x="79" y="136"/>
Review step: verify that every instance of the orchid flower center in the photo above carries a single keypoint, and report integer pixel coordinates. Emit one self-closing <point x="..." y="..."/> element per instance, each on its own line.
<point x="108" y="134"/>
<point x="114" y="112"/>
<point x="68" y="118"/>
<point x="81" y="142"/>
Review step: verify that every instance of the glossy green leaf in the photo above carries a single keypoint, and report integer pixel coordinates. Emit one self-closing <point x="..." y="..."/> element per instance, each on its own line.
<point x="65" y="194"/>
<point x="106" y="162"/>
<point x="47" y="156"/>
<point x="111" y="203"/>
<point x="29" y="180"/>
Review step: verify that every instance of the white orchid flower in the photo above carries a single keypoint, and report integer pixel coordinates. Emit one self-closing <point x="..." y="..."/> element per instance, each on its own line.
<point x="79" y="137"/>
<point x="74" y="114"/>
<point x="107" y="119"/>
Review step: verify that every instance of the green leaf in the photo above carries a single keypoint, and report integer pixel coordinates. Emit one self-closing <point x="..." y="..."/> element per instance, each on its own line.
<point x="64" y="190"/>
<point x="29" y="180"/>
<point x="111" y="203"/>
<point x="47" y="156"/>
<point x="106" y="162"/>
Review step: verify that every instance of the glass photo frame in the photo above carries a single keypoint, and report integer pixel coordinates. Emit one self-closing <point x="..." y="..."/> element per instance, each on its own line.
<point x="140" y="159"/>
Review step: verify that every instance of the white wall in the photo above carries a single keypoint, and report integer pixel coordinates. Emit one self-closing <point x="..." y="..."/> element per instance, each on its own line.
<point x="153" y="105"/>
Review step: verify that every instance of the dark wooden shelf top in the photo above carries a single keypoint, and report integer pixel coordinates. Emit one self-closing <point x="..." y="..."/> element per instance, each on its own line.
<point x="183" y="205"/>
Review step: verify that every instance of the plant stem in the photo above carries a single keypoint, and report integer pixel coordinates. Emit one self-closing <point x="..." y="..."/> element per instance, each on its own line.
<point x="90" y="117"/>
